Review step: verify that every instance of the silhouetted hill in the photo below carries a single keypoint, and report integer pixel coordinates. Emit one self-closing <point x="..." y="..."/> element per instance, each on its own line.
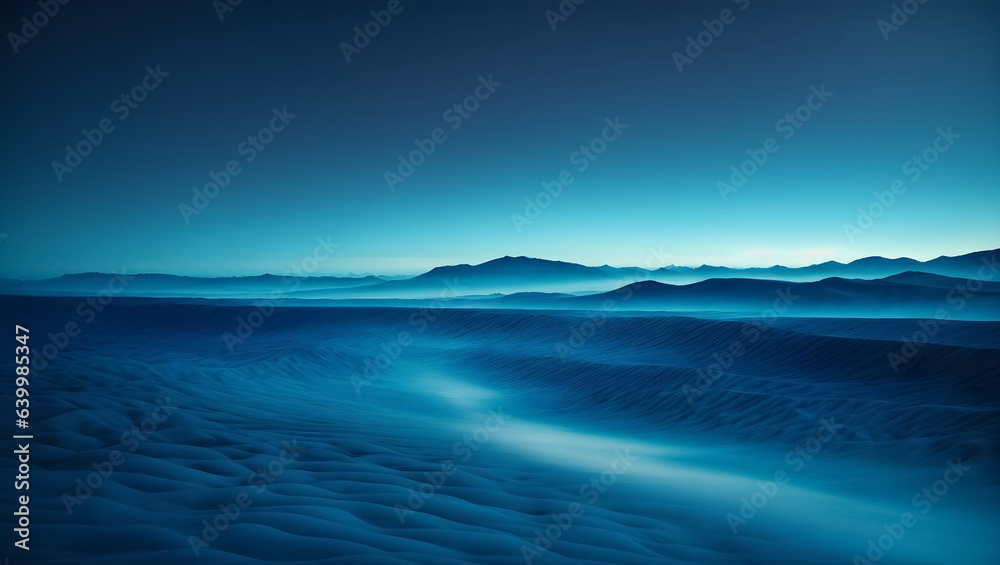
<point x="511" y="275"/>
<point x="941" y="281"/>
<point x="912" y="295"/>
<point x="163" y="285"/>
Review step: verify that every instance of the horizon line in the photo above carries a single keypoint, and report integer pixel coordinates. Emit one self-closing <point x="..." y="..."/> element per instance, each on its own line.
<point x="352" y="275"/>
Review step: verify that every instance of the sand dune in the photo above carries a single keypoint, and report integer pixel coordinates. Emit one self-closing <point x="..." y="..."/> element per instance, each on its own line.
<point x="347" y="467"/>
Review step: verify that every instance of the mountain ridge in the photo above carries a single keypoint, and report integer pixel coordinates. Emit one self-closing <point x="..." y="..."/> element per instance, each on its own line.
<point x="507" y="275"/>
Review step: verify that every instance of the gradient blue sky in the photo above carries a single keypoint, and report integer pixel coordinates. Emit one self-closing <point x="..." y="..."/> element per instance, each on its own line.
<point x="655" y="187"/>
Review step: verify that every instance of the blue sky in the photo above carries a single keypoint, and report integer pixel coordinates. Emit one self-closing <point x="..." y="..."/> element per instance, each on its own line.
<point x="655" y="186"/>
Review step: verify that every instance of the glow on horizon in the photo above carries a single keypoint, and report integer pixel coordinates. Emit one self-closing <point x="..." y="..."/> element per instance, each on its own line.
<point x="412" y="266"/>
<point x="755" y="258"/>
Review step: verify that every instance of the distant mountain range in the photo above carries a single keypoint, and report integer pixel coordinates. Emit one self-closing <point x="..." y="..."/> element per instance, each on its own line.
<point x="962" y="266"/>
<point x="508" y="275"/>
<point x="159" y="285"/>
<point x="513" y="275"/>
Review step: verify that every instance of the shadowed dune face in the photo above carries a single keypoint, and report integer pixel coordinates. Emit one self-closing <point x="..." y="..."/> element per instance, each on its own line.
<point x="395" y="435"/>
